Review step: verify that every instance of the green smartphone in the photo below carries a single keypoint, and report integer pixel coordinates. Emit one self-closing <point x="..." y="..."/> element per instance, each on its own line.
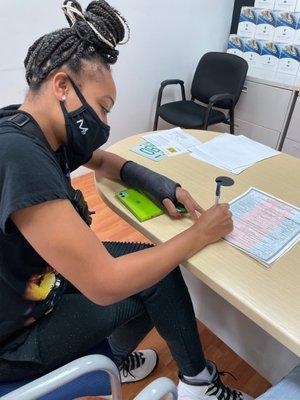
<point x="139" y="204"/>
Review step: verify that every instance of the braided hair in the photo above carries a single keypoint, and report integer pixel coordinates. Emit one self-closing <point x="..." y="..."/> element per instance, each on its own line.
<point x="93" y="35"/>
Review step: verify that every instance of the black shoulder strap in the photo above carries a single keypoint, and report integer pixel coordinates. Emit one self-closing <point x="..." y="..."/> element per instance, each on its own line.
<point x="26" y="126"/>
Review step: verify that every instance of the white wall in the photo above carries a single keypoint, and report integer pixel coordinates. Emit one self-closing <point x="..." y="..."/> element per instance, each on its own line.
<point x="168" y="39"/>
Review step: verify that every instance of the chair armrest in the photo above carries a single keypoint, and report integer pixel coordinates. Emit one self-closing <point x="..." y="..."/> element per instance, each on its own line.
<point x="172" y="82"/>
<point x="212" y="102"/>
<point x="69" y="372"/>
<point x="167" y="83"/>
<point x="219" y="97"/>
<point x="160" y="94"/>
<point x="157" y="389"/>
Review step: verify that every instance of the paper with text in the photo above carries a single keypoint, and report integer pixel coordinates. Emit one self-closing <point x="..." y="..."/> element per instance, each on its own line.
<point x="200" y="155"/>
<point x="264" y="226"/>
<point x="173" y="141"/>
<point x="233" y="153"/>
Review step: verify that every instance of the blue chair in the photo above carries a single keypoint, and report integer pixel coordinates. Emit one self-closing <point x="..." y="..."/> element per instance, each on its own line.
<point x="81" y="378"/>
<point x="93" y="383"/>
<point x="287" y="389"/>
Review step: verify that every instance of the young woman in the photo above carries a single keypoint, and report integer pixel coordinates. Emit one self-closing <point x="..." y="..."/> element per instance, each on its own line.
<point x="61" y="291"/>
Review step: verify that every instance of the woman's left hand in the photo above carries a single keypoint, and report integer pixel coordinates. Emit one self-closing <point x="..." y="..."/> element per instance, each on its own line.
<point x="185" y="198"/>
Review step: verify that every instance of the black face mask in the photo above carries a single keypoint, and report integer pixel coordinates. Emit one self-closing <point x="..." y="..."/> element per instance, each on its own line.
<point x="85" y="130"/>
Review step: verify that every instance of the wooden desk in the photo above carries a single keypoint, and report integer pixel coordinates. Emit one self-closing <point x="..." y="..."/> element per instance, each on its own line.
<point x="270" y="297"/>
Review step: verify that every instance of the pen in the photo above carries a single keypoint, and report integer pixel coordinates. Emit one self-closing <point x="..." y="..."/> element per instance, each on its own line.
<point x="218" y="193"/>
<point x="222" y="181"/>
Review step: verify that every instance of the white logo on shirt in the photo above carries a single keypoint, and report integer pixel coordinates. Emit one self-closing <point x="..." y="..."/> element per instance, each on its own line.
<point x="81" y="127"/>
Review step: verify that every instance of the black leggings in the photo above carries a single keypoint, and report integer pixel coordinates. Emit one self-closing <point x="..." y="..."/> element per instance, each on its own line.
<point x="77" y="325"/>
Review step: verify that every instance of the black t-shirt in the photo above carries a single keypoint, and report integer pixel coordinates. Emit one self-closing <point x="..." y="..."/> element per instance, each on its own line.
<point x="30" y="174"/>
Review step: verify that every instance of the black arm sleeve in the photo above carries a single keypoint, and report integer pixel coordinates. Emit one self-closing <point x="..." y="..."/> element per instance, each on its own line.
<point x="157" y="185"/>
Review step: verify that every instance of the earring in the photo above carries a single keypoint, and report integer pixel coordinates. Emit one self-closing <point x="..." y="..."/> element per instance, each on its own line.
<point x="64" y="98"/>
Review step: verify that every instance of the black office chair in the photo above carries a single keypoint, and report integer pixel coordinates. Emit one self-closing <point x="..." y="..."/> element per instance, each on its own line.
<point x="218" y="82"/>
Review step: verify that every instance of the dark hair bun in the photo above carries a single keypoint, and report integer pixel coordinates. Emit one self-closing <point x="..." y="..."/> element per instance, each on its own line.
<point x="93" y="33"/>
<point x="100" y="24"/>
<point x="74" y="4"/>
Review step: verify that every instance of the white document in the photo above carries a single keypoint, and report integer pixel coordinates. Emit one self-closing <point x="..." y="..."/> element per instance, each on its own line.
<point x="234" y="153"/>
<point x="200" y="155"/>
<point x="173" y="141"/>
<point x="265" y="227"/>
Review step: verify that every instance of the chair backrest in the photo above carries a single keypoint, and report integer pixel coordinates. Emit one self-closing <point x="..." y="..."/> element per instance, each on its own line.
<point x="94" y="383"/>
<point x="219" y="73"/>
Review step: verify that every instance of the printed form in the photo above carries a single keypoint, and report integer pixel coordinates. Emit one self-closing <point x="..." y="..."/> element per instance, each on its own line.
<point x="233" y="153"/>
<point x="173" y="142"/>
<point x="264" y="227"/>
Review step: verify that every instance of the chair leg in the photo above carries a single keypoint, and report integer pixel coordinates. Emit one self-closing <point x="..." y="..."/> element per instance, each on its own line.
<point x="231" y="116"/>
<point x="156" y="121"/>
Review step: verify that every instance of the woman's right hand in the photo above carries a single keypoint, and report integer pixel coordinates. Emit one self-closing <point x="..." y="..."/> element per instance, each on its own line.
<point x="214" y="223"/>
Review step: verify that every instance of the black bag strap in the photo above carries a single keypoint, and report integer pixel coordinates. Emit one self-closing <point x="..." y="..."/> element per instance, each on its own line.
<point x="27" y="126"/>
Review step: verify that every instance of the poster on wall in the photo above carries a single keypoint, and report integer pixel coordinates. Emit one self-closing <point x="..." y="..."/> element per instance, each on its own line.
<point x="268" y="38"/>
<point x="237" y="12"/>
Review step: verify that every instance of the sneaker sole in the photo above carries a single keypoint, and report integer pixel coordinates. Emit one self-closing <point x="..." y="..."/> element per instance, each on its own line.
<point x="139" y="380"/>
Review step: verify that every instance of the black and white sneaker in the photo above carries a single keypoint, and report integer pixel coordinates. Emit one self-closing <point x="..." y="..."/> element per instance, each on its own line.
<point x="213" y="390"/>
<point x="138" y="365"/>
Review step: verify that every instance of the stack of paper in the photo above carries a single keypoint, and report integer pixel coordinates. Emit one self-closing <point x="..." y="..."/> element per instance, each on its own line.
<point x="264" y="227"/>
<point x="173" y="141"/>
<point x="232" y="153"/>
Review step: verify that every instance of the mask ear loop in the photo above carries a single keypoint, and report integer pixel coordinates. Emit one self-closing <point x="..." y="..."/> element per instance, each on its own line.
<point x="67" y="121"/>
<point x="78" y="92"/>
<point x="83" y="100"/>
